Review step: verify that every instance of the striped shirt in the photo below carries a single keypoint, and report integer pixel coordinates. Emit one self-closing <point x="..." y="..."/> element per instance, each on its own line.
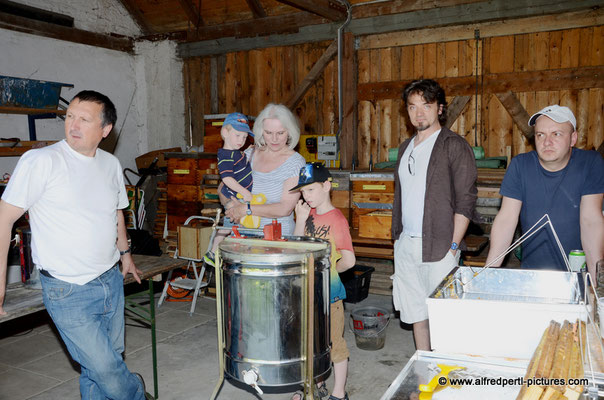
<point x="234" y="164"/>
<point x="271" y="184"/>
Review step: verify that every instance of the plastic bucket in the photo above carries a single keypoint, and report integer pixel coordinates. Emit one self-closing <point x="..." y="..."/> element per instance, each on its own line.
<point x="369" y="327"/>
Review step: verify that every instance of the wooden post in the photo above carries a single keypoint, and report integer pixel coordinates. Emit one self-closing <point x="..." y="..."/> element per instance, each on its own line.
<point x="348" y="133"/>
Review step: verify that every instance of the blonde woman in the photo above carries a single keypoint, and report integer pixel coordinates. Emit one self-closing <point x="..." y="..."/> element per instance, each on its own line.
<point x="275" y="169"/>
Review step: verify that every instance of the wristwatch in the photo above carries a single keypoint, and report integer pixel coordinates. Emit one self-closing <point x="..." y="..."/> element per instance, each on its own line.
<point x="249" y="209"/>
<point x="128" y="250"/>
<point x="454" y="246"/>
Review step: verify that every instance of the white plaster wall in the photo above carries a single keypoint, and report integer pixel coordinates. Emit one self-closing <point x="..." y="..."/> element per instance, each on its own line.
<point x="86" y="67"/>
<point x="103" y="16"/>
<point x="146" y="87"/>
<point x="160" y="95"/>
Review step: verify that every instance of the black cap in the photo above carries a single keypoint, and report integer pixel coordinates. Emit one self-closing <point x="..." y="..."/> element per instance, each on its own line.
<point x="311" y="173"/>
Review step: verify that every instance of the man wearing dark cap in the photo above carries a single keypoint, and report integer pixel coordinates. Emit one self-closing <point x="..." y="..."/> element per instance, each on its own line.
<point x="564" y="182"/>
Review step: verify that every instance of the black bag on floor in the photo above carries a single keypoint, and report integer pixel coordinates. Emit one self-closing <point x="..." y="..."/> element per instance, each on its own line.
<point x="143" y="243"/>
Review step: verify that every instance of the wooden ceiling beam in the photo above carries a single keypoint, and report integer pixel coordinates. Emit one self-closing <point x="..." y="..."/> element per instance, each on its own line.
<point x="192" y="12"/>
<point x="256" y="8"/>
<point x="281" y="24"/>
<point x="333" y="10"/>
<point x="521" y="81"/>
<point x="138" y="16"/>
<point x="35" y="13"/>
<point x="26" y="25"/>
<point x="303" y="27"/>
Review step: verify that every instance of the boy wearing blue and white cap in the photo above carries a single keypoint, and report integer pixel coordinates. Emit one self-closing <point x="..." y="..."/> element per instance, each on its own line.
<point x="234" y="168"/>
<point x="233" y="165"/>
<point x="317" y="217"/>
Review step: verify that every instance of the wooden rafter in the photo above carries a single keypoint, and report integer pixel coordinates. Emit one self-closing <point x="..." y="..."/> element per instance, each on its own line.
<point x="138" y="16"/>
<point x="280" y="24"/>
<point x="46" y="29"/>
<point x="312" y="75"/>
<point x="192" y="12"/>
<point x="527" y="81"/>
<point x="304" y="27"/>
<point x="35" y="13"/>
<point x="517" y="112"/>
<point x="330" y="9"/>
<point x="456" y="108"/>
<point x="256" y="8"/>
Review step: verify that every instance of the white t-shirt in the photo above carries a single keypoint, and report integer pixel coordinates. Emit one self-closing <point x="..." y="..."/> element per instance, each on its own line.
<point x="72" y="202"/>
<point x="413" y="184"/>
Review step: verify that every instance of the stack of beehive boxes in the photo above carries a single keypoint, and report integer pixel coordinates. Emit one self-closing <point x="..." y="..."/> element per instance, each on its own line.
<point x="185" y="174"/>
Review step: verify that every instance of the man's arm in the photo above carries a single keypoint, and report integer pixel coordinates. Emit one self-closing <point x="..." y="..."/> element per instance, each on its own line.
<point x="592" y="231"/>
<point x="9" y="214"/>
<point x="460" y="225"/>
<point x="502" y="231"/>
<point x="128" y="266"/>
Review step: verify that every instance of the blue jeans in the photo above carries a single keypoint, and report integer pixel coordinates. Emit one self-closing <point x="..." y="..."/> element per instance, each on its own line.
<point x="90" y="319"/>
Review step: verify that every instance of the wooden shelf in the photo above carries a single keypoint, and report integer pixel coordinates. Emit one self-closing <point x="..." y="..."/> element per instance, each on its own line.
<point x="30" y="111"/>
<point x="372" y="248"/>
<point x="21" y="147"/>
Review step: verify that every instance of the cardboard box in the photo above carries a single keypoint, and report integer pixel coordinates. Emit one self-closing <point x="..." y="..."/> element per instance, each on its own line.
<point x="193" y="241"/>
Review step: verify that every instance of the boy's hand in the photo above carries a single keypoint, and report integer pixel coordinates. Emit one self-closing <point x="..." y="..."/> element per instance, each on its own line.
<point x="247" y="196"/>
<point x="302" y="210"/>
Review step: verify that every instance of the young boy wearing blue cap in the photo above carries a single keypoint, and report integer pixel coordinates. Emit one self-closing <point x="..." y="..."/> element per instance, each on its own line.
<point x="233" y="166"/>
<point x="317" y="217"/>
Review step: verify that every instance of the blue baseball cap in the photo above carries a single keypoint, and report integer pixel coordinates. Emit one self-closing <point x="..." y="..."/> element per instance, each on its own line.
<point x="239" y="122"/>
<point x="311" y="173"/>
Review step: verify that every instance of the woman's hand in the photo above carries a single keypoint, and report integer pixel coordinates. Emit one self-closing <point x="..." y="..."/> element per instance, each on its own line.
<point x="235" y="210"/>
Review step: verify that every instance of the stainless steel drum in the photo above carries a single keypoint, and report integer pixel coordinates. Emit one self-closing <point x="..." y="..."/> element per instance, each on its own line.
<point x="263" y="301"/>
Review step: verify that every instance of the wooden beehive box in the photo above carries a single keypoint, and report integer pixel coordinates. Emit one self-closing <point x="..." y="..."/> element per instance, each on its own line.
<point x="340" y="192"/>
<point x="376" y="224"/>
<point x="193" y="241"/>
<point x="370" y="192"/>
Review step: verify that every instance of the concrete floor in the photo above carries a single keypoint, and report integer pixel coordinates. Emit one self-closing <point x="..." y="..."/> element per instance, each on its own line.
<point x="35" y="365"/>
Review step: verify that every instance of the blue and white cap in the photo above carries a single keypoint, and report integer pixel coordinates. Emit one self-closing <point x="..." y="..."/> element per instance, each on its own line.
<point x="311" y="173"/>
<point x="239" y="122"/>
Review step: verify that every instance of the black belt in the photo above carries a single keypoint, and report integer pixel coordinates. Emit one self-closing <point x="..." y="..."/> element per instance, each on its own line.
<point x="46" y="273"/>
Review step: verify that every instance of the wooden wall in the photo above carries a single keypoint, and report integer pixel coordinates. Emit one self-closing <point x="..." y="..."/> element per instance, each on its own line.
<point x="383" y="122"/>
<point x="559" y="66"/>
<point x="246" y="81"/>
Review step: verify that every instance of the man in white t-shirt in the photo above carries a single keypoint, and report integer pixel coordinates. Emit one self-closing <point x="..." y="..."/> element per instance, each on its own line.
<point x="74" y="193"/>
<point x="434" y="201"/>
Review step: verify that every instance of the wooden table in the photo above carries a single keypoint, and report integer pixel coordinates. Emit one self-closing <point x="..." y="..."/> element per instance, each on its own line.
<point x="21" y="300"/>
